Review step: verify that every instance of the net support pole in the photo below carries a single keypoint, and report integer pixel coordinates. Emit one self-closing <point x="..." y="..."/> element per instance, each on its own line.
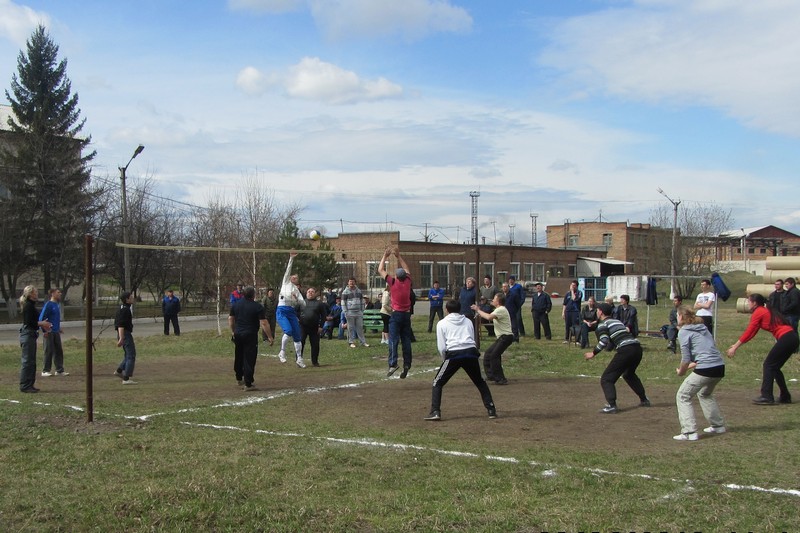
<point x="89" y="278"/>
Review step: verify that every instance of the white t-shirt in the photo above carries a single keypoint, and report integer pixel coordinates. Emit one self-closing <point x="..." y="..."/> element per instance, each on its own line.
<point x="704" y="298"/>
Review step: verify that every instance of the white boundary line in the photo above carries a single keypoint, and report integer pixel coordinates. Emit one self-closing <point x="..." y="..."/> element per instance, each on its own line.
<point x="549" y="470"/>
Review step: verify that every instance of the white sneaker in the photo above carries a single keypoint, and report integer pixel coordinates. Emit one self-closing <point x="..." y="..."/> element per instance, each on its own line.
<point x="129" y="382"/>
<point x="62" y="373"/>
<point x="686" y="436"/>
<point x="712" y="429"/>
<point x="300" y="362"/>
<point x="46" y="374"/>
<point x="365" y="345"/>
<point x="281" y="357"/>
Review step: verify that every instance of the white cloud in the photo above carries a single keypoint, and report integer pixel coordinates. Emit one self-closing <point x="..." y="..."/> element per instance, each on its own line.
<point x="315" y="80"/>
<point x="739" y="57"/>
<point x="266" y="6"/>
<point x="410" y="19"/>
<point x="18" y="22"/>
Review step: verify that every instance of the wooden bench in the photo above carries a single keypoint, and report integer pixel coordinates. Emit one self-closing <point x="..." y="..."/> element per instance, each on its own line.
<point x="373" y="320"/>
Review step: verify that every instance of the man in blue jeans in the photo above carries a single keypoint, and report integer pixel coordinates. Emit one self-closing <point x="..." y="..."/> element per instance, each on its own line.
<point x="123" y="323"/>
<point x="400" y="321"/>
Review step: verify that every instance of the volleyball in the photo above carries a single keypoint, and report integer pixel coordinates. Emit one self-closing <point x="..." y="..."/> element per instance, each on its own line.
<point x="314" y="234"/>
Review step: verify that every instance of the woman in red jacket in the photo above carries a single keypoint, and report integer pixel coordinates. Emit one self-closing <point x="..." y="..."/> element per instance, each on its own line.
<point x="786" y="343"/>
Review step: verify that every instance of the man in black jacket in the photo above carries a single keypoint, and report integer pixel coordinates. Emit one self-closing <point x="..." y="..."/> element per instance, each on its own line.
<point x="311" y="322"/>
<point x="541" y="305"/>
<point x="123" y="323"/>
<point x="245" y="318"/>
<point x="790" y="302"/>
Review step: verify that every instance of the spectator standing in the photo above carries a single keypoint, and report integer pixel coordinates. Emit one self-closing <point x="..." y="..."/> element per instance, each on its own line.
<point x="455" y="341"/>
<point x="244" y="320"/>
<point x="170" y="307"/>
<point x="489" y="289"/>
<point x="270" y="303"/>
<point x="289" y="300"/>
<point x="774" y="299"/>
<point x="53" y="349"/>
<point x="571" y="309"/>
<point x="311" y="322"/>
<point x="492" y="359"/>
<point x="386" y="314"/>
<point x="790" y="302"/>
<point x="672" y="329"/>
<point x="786" y="343"/>
<point x="614" y="335"/>
<point x="237" y="293"/>
<point x="123" y="323"/>
<point x="588" y="322"/>
<point x="436" y="299"/>
<point x="626" y="313"/>
<point x="400" y="322"/>
<point x="704" y="304"/>
<point x="541" y="305"/>
<point x="467" y="297"/>
<point x="519" y="292"/>
<point x="28" y="334"/>
<point x="353" y="308"/>
<point x="700" y="354"/>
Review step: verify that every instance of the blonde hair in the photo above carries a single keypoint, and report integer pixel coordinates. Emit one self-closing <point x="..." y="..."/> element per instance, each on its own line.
<point x="688" y="316"/>
<point x="26" y="294"/>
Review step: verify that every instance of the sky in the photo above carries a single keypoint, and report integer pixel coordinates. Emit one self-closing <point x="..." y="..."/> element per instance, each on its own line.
<point x="378" y="115"/>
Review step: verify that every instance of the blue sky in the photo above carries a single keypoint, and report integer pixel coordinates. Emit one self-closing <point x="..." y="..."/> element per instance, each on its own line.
<point x="386" y="114"/>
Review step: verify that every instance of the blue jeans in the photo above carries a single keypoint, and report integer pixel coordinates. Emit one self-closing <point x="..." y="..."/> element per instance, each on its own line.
<point x="27" y="372"/>
<point x="400" y="333"/>
<point x="129" y="359"/>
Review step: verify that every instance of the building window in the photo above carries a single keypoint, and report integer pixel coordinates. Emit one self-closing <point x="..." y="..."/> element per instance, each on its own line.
<point x="538" y="273"/>
<point x="514" y="270"/>
<point x="572" y="271"/>
<point x="607" y="240"/>
<point x="751" y="250"/>
<point x="763" y="250"/>
<point x="425" y="274"/>
<point x="573" y="240"/>
<point x="488" y="270"/>
<point x="527" y="271"/>
<point x="374" y="280"/>
<point x="348" y="270"/>
<point x="442" y="275"/>
<point x="459" y="276"/>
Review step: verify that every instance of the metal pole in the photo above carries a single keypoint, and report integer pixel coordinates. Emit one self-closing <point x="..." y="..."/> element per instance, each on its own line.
<point x="88" y="280"/>
<point x="126" y="256"/>
<point x="673" y="261"/>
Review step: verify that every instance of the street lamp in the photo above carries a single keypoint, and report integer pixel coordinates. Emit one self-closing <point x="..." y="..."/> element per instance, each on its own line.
<point x="125" y="252"/>
<point x="675" y="204"/>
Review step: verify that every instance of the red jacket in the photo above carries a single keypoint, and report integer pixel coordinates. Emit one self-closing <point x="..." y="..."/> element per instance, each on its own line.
<point x="761" y="320"/>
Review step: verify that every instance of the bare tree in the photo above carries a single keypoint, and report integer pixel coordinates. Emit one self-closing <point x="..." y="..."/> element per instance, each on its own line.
<point x="699" y="225"/>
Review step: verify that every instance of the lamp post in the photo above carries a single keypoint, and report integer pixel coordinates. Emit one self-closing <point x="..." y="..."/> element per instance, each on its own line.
<point x="675" y="204"/>
<point x="125" y="252"/>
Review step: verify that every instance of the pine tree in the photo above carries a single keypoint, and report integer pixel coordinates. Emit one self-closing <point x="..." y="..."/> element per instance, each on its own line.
<point x="47" y="178"/>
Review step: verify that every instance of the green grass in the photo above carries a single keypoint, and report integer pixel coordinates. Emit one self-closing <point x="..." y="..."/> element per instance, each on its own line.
<point x="307" y="461"/>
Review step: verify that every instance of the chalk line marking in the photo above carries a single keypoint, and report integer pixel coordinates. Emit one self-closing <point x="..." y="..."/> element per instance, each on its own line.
<point x="549" y="469"/>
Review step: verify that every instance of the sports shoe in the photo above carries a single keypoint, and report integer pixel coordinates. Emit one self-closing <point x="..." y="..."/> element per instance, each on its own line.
<point x="62" y="373"/>
<point x="352" y="345"/>
<point x="645" y="403"/>
<point x="249" y="388"/>
<point x="502" y="381"/>
<point x="300" y="362"/>
<point x="365" y="345"/>
<point x="785" y="400"/>
<point x="404" y="373"/>
<point x="46" y="374"/>
<point x="30" y="390"/>
<point x="129" y="382"/>
<point x="118" y="373"/>
<point x="392" y="370"/>
<point x="434" y="416"/>
<point x="686" y="436"/>
<point x="282" y="356"/>
<point x="609" y="409"/>
<point x="712" y="429"/>
<point x="240" y="382"/>
<point x="763" y="401"/>
<point x="492" y="412"/>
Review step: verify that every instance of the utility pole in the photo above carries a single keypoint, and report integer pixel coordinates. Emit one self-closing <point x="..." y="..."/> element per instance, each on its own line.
<point x="675" y="204"/>
<point x="126" y="254"/>
<point x="511" y="234"/>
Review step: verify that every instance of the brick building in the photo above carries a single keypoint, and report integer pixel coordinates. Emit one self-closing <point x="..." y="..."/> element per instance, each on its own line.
<point x="358" y="255"/>
<point x="756" y="244"/>
<point x="641" y="247"/>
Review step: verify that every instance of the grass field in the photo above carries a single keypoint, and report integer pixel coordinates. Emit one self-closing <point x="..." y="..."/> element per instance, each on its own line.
<point x="343" y="448"/>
